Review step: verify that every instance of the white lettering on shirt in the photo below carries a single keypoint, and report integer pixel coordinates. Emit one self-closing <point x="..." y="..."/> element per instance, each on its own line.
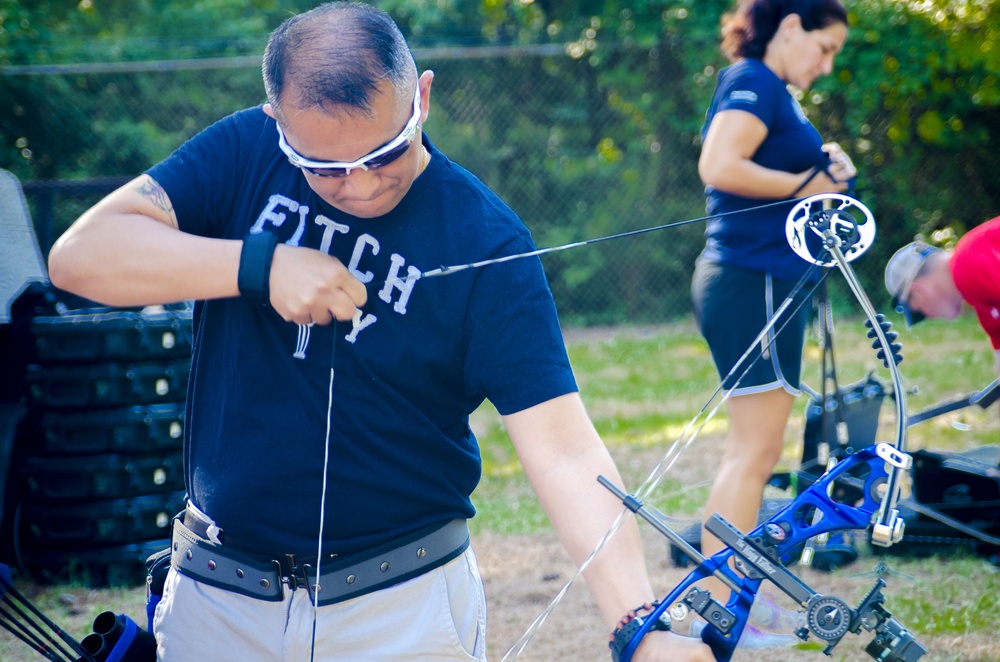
<point x="405" y="286"/>
<point x="396" y="290"/>
<point x="330" y="226"/>
<point x="278" y="219"/>
<point x="303" y="341"/>
<point x="359" y="249"/>
<point x="360" y="322"/>
<point x="744" y="96"/>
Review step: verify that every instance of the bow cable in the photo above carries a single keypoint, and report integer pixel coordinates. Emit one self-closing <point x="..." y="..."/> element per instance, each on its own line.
<point x="798" y="244"/>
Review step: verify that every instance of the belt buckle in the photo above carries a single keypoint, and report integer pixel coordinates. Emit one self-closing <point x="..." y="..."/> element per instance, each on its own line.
<point x="296" y="577"/>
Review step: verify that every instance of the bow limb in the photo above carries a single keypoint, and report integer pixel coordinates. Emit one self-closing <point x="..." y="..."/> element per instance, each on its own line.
<point x="831" y="225"/>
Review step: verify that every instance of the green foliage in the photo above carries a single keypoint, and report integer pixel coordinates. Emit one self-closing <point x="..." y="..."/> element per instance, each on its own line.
<point x="599" y="138"/>
<point x="46" y="32"/>
<point x="914" y="99"/>
<point x="921" y="98"/>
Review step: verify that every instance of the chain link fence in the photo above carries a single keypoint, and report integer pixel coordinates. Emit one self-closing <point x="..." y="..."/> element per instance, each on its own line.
<point x="576" y="153"/>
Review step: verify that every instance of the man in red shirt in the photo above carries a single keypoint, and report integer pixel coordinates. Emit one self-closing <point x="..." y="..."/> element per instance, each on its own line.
<point x="925" y="281"/>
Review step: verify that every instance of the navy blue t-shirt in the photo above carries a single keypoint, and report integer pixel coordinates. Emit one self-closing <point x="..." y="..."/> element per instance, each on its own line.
<point x="755" y="239"/>
<point x="422" y="355"/>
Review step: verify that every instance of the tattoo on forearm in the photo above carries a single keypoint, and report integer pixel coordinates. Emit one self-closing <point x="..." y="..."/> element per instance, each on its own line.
<point x="156" y="195"/>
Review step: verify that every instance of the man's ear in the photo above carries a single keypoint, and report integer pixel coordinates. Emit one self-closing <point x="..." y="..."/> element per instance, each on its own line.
<point x="269" y="111"/>
<point x="424" y="82"/>
<point x="918" y="292"/>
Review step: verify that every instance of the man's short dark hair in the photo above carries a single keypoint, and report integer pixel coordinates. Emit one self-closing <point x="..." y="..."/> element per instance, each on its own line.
<point x="334" y="57"/>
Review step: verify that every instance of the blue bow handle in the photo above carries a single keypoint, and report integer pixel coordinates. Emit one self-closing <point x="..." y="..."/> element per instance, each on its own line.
<point x="760" y="552"/>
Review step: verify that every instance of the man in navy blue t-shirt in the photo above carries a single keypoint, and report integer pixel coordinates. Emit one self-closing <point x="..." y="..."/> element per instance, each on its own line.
<point x="331" y="387"/>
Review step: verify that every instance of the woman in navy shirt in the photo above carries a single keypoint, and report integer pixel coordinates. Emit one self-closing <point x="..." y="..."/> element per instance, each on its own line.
<point x="759" y="148"/>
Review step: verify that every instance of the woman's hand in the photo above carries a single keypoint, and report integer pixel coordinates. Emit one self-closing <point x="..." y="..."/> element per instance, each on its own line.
<point x="835" y="179"/>
<point x="841" y="167"/>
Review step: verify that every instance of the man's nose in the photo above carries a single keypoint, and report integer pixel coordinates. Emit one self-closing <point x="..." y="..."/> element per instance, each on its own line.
<point x="360" y="183"/>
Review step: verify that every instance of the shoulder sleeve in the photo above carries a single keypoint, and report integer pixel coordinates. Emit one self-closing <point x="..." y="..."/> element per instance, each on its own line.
<point x="515" y="349"/>
<point x="200" y="177"/>
<point x="975" y="266"/>
<point x="989" y="319"/>
<point x="748" y="90"/>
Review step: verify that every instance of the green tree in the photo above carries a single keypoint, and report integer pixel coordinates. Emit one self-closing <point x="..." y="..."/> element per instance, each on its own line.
<point x="589" y="126"/>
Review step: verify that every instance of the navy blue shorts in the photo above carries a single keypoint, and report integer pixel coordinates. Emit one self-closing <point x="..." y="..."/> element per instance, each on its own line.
<point x="732" y="306"/>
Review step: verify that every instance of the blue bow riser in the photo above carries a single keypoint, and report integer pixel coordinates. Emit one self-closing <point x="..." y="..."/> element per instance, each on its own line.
<point x="797" y="523"/>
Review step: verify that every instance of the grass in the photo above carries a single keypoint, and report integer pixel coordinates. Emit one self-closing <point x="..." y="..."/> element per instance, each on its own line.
<point x="642" y="386"/>
<point x="950" y="609"/>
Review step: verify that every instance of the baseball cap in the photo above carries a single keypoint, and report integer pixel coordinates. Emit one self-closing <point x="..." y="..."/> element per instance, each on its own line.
<point x="901" y="271"/>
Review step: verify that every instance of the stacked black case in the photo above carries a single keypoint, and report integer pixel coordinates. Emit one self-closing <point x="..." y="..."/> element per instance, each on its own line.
<point x="955" y="503"/>
<point x="99" y="470"/>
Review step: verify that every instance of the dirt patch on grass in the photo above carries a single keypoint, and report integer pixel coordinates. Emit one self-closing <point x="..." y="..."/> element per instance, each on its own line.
<point x="524" y="573"/>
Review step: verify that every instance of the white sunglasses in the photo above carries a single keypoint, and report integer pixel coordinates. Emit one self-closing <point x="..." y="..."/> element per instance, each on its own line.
<point x="382" y="156"/>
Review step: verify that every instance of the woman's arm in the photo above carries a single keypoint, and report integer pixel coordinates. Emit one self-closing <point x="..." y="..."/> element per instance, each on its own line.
<point x="726" y="163"/>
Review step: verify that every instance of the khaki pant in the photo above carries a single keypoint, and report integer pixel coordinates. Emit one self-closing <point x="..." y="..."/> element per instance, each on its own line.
<point x="440" y="615"/>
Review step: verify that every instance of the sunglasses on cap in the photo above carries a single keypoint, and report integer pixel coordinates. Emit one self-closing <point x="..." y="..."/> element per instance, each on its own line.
<point x="901" y="302"/>
<point x="381" y="157"/>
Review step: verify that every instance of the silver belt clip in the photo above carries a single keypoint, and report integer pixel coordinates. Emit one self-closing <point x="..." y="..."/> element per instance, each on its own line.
<point x="212" y="530"/>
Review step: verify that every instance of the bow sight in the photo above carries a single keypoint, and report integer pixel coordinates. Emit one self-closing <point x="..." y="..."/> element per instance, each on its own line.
<point x="827" y="230"/>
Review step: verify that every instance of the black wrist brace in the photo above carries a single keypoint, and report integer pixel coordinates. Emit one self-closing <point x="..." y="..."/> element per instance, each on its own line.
<point x="254" y="275"/>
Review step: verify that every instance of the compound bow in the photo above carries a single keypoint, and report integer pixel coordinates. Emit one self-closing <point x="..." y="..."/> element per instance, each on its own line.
<point x="827" y="230"/>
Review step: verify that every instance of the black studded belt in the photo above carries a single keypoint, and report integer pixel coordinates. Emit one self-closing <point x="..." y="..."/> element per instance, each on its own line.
<point x="340" y="578"/>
